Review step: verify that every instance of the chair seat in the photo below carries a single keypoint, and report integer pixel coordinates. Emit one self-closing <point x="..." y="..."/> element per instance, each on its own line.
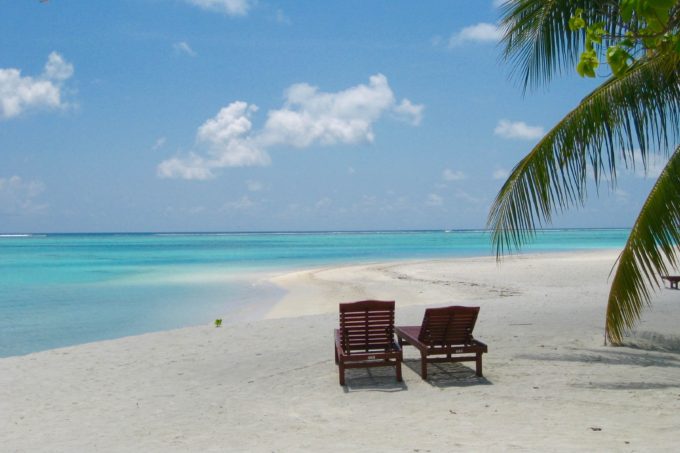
<point x="409" y="335"/>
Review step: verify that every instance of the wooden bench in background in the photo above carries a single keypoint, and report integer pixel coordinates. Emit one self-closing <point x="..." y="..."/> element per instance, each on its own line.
<point x="672" y="280"/>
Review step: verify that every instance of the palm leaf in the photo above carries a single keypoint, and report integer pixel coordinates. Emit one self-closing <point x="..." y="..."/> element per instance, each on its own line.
<point x="651" y="249"/>
<point x="537" y="39"/>
<point x="637" y="111"/>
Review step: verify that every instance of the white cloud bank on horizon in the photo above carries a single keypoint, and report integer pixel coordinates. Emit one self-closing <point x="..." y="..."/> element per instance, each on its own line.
<point x="24" y="93"/>
<point x="229" y="7"/>
<point x="17" y="196"/>
<point x="518" y="129"/>
<point x="481" y="33"/>
<point x="308" y="117"/>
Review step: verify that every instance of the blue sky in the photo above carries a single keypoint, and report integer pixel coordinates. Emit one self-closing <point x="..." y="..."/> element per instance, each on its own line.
<point x="243" y="115"/>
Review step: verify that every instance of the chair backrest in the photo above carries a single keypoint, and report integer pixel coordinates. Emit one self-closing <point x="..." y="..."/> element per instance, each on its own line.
<point x="367" y="325"/>
<point x="448" y="325"/>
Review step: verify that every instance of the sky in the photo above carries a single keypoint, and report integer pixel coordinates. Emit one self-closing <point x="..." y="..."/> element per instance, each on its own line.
<point x="265" y="115"/>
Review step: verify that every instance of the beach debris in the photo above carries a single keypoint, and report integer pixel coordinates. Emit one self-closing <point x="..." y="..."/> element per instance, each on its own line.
<point x="218" y="322"/>
<point x="595" y="428"/>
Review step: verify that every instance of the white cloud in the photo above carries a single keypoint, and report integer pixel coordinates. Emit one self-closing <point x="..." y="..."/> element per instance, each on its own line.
<point x="498" y="3"/>
<point x="409" y="112"/>
<point x="323" y="203"/>
<point x="159" y="143"/>
<point x="254" y="186"/>
<point x="450" y="175"/>
<point x="434" y="200"/>
<point x="462" y="195"/>
<point x="518" y="129"/>
<point x="57" y="68"/>
<point x="190" y="167"/>
<point x="501" y="173"/>
<point x="196" y="210"/>
<point x="312" y="117"/>
<point x="225" y="138"/>
<point x="621" y="196"/>
<point x="184" y="48"/>
<point x="19" y="197"/>
<point x="243" y="203"/>
<point x="655" y="165"/>
<point x="282" y="18"/>
<point x="230" y="123"/>
<point x="482" y="32"/>
<point x="229" y="7"/>
<point x="309" y="117"/>
<point x="23" y="93"/>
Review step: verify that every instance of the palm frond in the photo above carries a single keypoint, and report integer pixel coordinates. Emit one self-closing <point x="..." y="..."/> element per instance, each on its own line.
<point x="651" y="249"/>
<point x="637" y="111"/>
<point x="537" y="40"/>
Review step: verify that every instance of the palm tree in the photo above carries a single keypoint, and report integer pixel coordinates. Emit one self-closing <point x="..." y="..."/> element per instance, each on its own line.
<point x="634" y="112"/>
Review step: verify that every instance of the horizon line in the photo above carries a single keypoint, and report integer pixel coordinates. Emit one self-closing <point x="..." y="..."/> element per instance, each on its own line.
<point x="235" y="232"/>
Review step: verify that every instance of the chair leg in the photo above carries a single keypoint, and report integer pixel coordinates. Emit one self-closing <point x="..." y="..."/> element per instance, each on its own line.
<point x="399" y="379"/>
<point x="423" y="365"/>
<point x="341" y="370"/>
<point x="479" y="364"/>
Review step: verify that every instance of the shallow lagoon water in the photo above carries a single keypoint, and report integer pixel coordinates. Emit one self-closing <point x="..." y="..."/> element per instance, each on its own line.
<point x="64" y="289"/>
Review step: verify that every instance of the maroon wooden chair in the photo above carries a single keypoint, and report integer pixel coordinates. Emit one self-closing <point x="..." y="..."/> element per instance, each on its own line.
<point x="366" y="337"/>
<point x="445" y="332"/>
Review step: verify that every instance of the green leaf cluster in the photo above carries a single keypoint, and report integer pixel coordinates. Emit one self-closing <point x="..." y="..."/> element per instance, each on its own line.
<point x="648" y="26"/>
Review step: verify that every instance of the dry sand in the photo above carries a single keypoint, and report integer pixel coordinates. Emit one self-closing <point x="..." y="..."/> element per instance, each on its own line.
<point x="271" y="385"/>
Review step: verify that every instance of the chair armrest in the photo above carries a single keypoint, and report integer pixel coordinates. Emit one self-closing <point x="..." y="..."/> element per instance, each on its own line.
<point x="480" y="343"/>
<point x="338" y="343"/>
<point x="395" y="345"/>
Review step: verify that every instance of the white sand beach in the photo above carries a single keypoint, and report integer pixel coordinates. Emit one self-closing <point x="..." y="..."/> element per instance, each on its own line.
<point x="271" y="385"/>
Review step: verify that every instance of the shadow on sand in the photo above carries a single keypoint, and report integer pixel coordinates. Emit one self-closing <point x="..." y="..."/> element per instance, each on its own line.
<point x="616" y="356"/>
<point x="447" y="374"/>
<point x="652" y="341"/>
<point x="610" y="356"/>
<point x="372" y="379"/>
<point x="627" y="385"/>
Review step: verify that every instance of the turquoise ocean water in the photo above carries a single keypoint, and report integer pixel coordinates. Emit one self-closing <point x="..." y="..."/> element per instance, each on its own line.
<point x="64" y="289"/>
